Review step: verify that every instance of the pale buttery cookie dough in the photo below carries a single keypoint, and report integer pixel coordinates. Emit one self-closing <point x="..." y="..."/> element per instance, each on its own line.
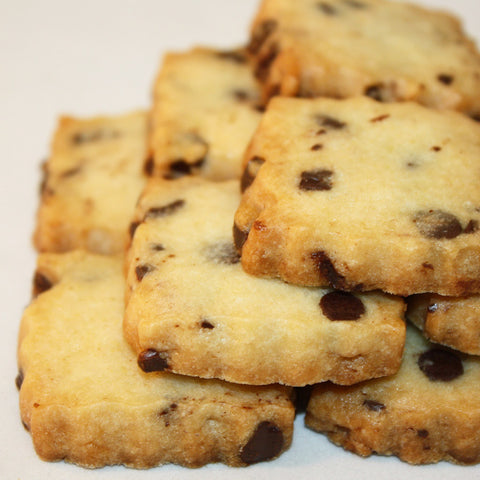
<point x="92" y="180"/>
<point x="205" y="109"/>
<point x="360" y="195"/>
<point x="429" y="411"/>
<point x="84" y="399"/>
<point x="191" y="308"/>
<point x="390" y="51"/>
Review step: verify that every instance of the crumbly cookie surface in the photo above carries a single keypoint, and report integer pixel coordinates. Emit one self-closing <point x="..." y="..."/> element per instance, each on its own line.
<point x="205" y="109"/>
<point x="84" y="398"/>
<point x="451" y="321"/>
<point x="92" y="180"/>
<point x="429" y="411"/>
<point x="191" y="308"/>
<point x="391" y="51"/>
<point x="361" y="195"/>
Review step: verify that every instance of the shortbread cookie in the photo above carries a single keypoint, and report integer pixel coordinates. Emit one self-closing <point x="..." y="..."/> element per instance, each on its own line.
<point x="429" y="411"/>
<point x="361" y="195"/>
<point x="391" y="51"/>
<point x="193" y="310"/>
<point x="451" y="321"/>
<point x="84" y="399"/>
<point x="205" y="111"/>
<point x="92" y="181"/>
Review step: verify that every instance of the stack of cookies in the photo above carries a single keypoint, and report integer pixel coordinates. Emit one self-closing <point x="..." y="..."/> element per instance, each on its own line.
<point x="158" y="333"/>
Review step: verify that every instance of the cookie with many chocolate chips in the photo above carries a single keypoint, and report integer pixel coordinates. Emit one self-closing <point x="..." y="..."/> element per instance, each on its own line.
<point x="84" y="399"/>
<point x="191" y="309"/>
<point x="92" y="180"/>
<point x="358" y="195"/>
<point x="451" y="321"/>
<point x="429" y="411"/>
<point x="387" y="50"/>
<point x="205" y="108"/>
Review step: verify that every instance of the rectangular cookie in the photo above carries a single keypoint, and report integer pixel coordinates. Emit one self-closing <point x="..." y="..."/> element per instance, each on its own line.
<point x="84" y="399"/>
<point x="360" y="195"/>
<point x="191" y="309"/>
<point x="390" y="51"/>
<point x="92" y="180"/>
<point x="429" y="411"/>
<point x="450" y="321"/>
<point x="205" y="109"/>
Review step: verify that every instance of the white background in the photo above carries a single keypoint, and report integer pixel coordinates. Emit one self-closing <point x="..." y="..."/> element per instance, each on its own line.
<point x="89" y="57"/>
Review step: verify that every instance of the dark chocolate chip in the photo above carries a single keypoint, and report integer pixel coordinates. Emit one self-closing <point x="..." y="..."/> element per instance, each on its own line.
<point x="437" y="224"/>
<point x="250" y="172"/>
<point x="165" y="210"/>
<point x="41" y="283"/>
<point x="180" y="168"/>
<point x="132" y="228"/>
<point x="329" y="122"/>
<point x="445" y="78"/>
<point x="153" y="361"/>
<point x="328" y="271"/>
<point x="316" y="180"/>
<point x="475" y="116"/>
<point x="326" y="8"/>
<point x="439" y="364"/>
<point x="373" y="405"/>
<point x="472" y="227"/>
<point x="263" y="66"/>
<point x="436" y="148"/>
<point x="19" y="379"/>
<point x="236" y="56"/>
<point x="427" y="265"/>
<point x="157" y="247"/>
<point x="207" y="324"/>
<point x="341" y="306"/>
<point x="317" y="146"/>
<point x="239" y="237"/>
<point x="375" y="92"/>
<point x="422" y="433"/>
<point x="222" y="252"/>
<point x="142" y="270"/>
<point x="149" y="166"/>
<point x="265" y="443"/>
<point x="260" y="34"/>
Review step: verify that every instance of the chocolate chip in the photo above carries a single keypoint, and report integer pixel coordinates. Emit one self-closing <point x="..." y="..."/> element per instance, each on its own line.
<point x="475" y="117"/>
<point x="157" y="247"/>
<point x="341" y="306"/>
<point x="472" y="227"/>
<point x="239" y="237"/>
<point x="41" y="283"/>
<point x="165" y="210"/>
<point x="439" y="364"/>
<point x="241" y="95"/>
<point x="380" y="118"/>
<point x="71" y="172"/>
<point x="207" y="324"/>
<point x="149" y="166"/>
<point x="445" y="78"/>
<point x="94" y="136"/>
<point x="236" y="56"/>
<point x="427" y="265"/>
<point x="260" y="34"/>
<point x="317" y="146"/>
<point x="316" y="180"/>
<point x="375" y="92"/>
<point x="263" y="65"/>
<point x="329" y="122"/>
<point x="436" y="148"/>
<point x="165" y="414"/>
<point x="437" y="224"/>
<point x="222" y="253"/>
<point x="19" y="379"/>
<point x="153" y="361"/>
<point x="133" y="227"/>
<point x="327" y="270"/>
<point x="373" y="405"/>
<point x="250" y="172"/>
<point x="326" y="8"/>
<point x="180" y="168"/>
<point x="265" y="443"/>
<point x="422" y="433"/>
<point x="142" y="270"/>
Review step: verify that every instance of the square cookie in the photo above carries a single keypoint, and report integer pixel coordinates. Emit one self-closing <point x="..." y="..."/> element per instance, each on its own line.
<point x="360" y="195"/>
<point x="191" y="309"/>
<point x="92" y="180"/>
<point x="390" y="51"/>
<point x="429" y="411"/>
<point x="84" y="399"/>
<point x="451" y="321"/>
<point x="205" y="109"/>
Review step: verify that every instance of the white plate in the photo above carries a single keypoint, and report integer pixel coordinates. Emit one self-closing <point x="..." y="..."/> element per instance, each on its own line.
<point x="100" y="56"/>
